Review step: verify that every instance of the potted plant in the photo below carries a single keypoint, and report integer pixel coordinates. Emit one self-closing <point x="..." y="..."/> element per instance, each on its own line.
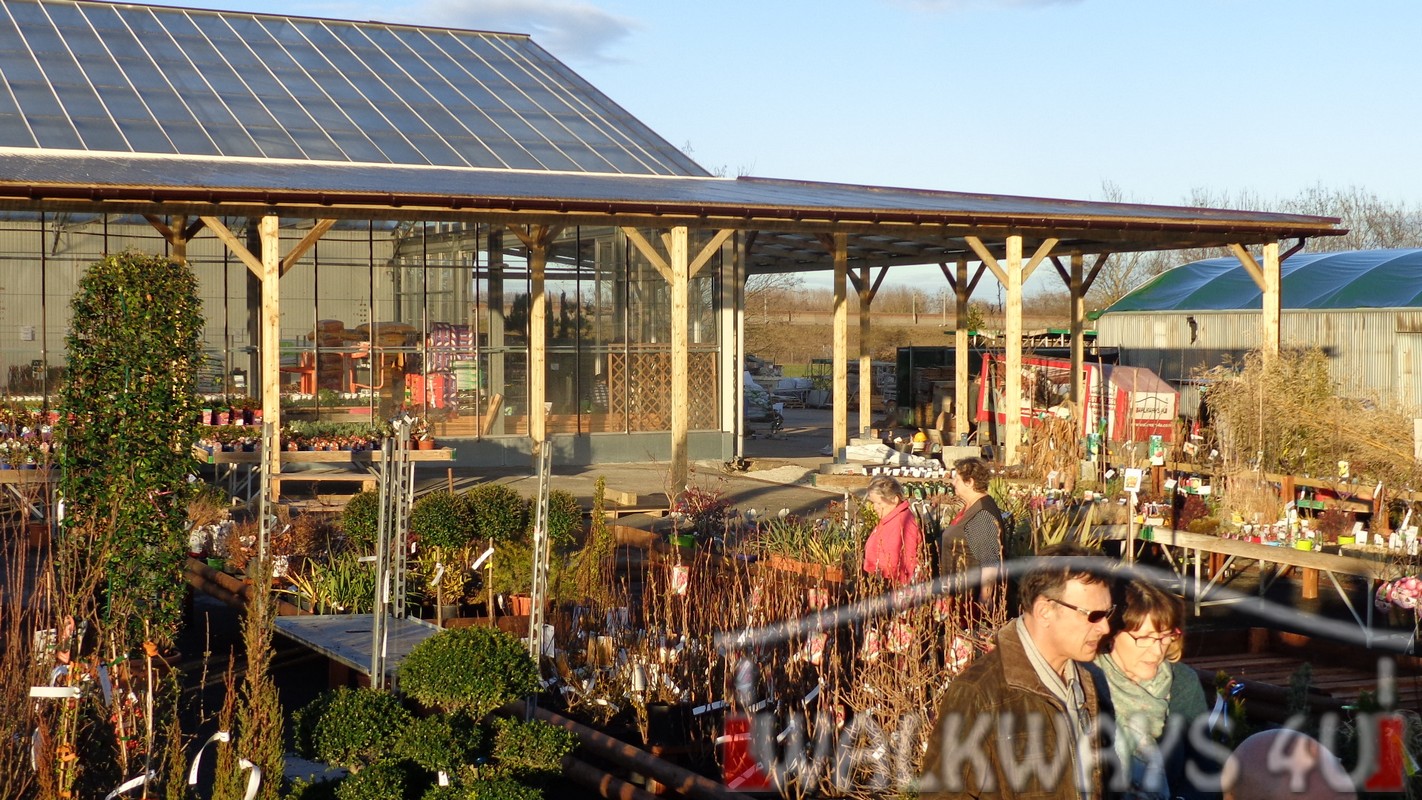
<point x="815" y="547"/>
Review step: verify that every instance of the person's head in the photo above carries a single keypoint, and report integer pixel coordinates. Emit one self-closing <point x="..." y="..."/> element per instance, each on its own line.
<point x="1066" y="602"/>
<point x="1147" y="630"/>
<point x="971" y="473"/>
<point x="1284" y="764"/>
<point x="884" y="494"/>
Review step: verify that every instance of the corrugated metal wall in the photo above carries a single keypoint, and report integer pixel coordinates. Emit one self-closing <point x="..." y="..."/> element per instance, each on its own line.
<point x="1371" y="351"/>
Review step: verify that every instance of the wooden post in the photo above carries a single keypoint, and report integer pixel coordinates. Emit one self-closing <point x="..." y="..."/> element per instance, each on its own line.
<point x="494" y="303"/>
<point x="1078" y="337"/>
<point x="1012" y="391"/>
<point x="866" y="367"/>
<point x="841" y="342"/>
<point x="961" y="290"/>
<point x="680" y="412"/>
<point x="1272" y="299"/>
<point x="270" y="232"/>
<point x="537" y="341"/>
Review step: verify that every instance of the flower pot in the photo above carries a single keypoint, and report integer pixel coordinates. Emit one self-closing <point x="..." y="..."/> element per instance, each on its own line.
<point x="427" y="444"/>
<point x="821" y="571"/>
<point x="521" y="605"/>
<point x="1342" y="540"/>
<point x="683" y="539"/>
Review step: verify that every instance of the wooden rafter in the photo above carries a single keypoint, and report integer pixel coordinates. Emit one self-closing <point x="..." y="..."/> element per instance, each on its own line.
<point x="704" y="257"/>
<point x="237" y="246"/>
<point x="649" y="252"/>
<point x="1246" y="260"/>
<point x="1042" y="250"/>
<point x="307" y="242"/>
<point x="985" y="256"/>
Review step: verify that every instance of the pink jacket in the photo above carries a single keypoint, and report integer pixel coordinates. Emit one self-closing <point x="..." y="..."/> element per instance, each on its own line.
<point x="892" y="549"/>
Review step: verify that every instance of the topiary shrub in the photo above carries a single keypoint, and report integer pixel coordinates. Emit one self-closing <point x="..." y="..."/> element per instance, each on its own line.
<point x="502" y="789"/>
<point x="312" y="790"/>
<point x="360" y="520"/>
<point x="349" y="727"/>
<point x="442" y="743"/>
<point x="442" y="519"/>
<point x="565" y="518"/>
<point x="385" y="780"/>
<point x="468" y="669"/>
<point x="531" y="749"/>
<point x="499" y="512"/>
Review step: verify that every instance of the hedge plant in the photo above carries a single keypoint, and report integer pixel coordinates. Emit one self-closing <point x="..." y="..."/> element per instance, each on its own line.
<point x="360" y="520"/>
<point x="128" y="423"/>
<point x="385" y="780"/>
<point x="500" y="513"/>
<point x="474" y="670"/>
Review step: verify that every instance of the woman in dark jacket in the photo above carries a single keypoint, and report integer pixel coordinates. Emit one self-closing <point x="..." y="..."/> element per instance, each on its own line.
<point x="974" y="538"/>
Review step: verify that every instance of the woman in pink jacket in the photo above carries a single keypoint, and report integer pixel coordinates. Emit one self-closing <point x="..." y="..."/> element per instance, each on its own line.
<point x="892" y="549"/>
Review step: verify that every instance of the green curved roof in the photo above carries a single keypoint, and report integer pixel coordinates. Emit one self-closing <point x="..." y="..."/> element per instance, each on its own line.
<point x="1316" y="281"/>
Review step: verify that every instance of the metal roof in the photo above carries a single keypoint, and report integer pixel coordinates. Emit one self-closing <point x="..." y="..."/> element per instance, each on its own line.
<point x="129" y="108"/>
<point x="1309" y="281"/>
<point x="104" y="77"/>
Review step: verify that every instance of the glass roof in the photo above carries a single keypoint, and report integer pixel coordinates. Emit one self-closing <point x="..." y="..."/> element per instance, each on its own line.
<point x="104" y="77"/>
<point x="1317" y="281"/>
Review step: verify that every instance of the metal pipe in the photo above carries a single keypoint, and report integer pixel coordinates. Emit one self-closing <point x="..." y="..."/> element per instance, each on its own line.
<point x="678" y="779"/>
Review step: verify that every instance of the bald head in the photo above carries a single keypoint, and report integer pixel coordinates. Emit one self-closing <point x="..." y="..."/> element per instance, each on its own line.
<point x="1284" y="765"/>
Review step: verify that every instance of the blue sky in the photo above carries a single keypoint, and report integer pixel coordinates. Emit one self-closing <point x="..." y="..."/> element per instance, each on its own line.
<point x="1047" y="98"/>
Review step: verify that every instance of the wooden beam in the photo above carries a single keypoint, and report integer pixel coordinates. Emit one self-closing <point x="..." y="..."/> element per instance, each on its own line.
<point x="1096" y="266"/>
<point x="649" y="252"/>
<point x="237" y="246"/>
<point x="710" y="249"/>
<point x="270" y="231"/>
<point x="1042" y="250"/>
<point x="679" y="250"/>
<point x="985" y="256"/>
<point x="952" y="282"/>
<point x="307" y="242"/>
<point x="977" y="276"/>
<point x="1246" y="260"/>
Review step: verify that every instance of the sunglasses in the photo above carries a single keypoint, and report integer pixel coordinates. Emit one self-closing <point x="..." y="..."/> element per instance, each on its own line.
<point x="1091" y="616"/>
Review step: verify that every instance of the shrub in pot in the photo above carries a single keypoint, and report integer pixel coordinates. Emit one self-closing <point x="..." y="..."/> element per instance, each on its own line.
<point x="349" y="727"/>
<point x="474" y="670"/>
<point x="499" y="512"/>
<point x="360" y="520"/>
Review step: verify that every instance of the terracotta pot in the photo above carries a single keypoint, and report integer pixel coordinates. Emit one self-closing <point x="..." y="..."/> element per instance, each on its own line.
<point x="427" y="444"/>
<point x="521" y="604"/>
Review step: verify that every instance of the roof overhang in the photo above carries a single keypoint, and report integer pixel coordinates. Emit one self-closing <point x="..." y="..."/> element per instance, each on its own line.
<point x="887" y="225"/>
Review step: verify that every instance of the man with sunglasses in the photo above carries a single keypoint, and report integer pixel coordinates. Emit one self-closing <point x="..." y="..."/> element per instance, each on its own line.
<point x="1021" y="721"/>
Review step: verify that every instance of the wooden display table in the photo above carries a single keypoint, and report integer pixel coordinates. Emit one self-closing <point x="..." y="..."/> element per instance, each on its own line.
<point x="349" y="466"/>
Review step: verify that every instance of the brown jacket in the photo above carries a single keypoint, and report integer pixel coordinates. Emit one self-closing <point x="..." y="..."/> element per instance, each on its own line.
<point x="992" y="707"/>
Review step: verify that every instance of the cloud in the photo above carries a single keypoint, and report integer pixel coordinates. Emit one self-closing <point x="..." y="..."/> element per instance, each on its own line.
<point x="570" y="30"/>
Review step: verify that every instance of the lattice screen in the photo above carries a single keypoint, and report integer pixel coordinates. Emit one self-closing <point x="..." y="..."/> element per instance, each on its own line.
<point x="639" y="387"/>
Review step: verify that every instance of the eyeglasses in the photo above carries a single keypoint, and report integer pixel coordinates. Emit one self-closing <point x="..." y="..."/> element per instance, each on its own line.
<point x="1164" y="640"/>
<point x="1091" y="616"/>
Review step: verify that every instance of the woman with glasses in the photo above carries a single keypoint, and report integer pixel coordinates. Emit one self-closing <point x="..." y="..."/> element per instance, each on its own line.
<point x="1148" y="691"/>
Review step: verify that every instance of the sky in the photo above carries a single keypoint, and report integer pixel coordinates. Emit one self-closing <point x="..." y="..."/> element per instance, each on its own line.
<point x="1045" y="98"/>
